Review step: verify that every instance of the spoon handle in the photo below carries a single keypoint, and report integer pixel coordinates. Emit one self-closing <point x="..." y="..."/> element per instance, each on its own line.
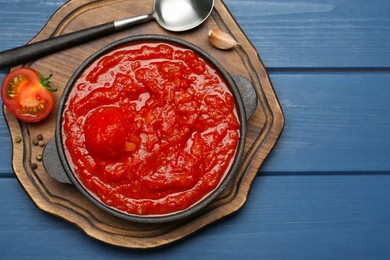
<point x="36" y="50"/>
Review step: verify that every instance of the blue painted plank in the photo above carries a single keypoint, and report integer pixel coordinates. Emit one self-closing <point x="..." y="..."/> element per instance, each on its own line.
<point x="317" y="33"/>
<point x="335" y="122"/>
<point x="22" y="20"/>
<point x="286" y="217"/>
<point x="5" y="148"/>
<point x="300" y="34"/>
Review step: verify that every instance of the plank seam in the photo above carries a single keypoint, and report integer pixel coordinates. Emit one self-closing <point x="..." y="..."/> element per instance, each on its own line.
<point x="328" y="70"/>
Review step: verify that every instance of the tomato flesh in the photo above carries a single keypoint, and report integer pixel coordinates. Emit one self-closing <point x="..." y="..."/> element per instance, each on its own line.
<point x="25" y="96"/>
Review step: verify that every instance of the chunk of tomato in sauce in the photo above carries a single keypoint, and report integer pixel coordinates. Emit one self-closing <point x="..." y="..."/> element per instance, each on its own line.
<point x="105" y="132"/>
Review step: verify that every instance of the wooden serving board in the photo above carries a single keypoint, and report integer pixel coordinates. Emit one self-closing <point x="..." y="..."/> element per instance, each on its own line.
<point x="63" y="200"/>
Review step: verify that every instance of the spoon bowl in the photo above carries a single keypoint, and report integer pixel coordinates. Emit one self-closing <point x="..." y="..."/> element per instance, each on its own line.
<point x="181" y="15"/>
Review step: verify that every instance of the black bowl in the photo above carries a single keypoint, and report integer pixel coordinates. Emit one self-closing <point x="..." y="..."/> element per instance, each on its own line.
<point x="171" y="216"/>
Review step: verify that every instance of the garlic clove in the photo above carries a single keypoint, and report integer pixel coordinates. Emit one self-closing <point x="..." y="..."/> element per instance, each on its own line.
<point x="221" y="39"/>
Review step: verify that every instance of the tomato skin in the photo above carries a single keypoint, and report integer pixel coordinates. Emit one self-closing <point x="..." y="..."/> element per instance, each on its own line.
<point x="26" y="96"/>
<point x="105" y="132"/>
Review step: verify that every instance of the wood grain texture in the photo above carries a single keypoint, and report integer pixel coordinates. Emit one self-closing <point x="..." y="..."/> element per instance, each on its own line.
<point x="62" y="200"/>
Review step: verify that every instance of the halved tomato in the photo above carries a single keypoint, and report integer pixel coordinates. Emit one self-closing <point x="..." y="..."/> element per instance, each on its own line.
<point x="27" y="94"/>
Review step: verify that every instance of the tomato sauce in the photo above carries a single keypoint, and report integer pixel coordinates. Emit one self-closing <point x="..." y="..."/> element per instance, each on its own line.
<point x="150" y="128"/>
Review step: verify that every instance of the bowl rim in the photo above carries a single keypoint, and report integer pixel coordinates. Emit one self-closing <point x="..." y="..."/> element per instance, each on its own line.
<point x="191" y="210"/>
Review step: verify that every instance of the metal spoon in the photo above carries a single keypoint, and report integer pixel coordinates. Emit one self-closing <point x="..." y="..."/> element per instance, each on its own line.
<point x="172" y="15"/>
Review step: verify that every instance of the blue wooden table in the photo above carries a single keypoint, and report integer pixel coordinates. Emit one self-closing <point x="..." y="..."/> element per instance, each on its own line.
<point x="323" y="193"/>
